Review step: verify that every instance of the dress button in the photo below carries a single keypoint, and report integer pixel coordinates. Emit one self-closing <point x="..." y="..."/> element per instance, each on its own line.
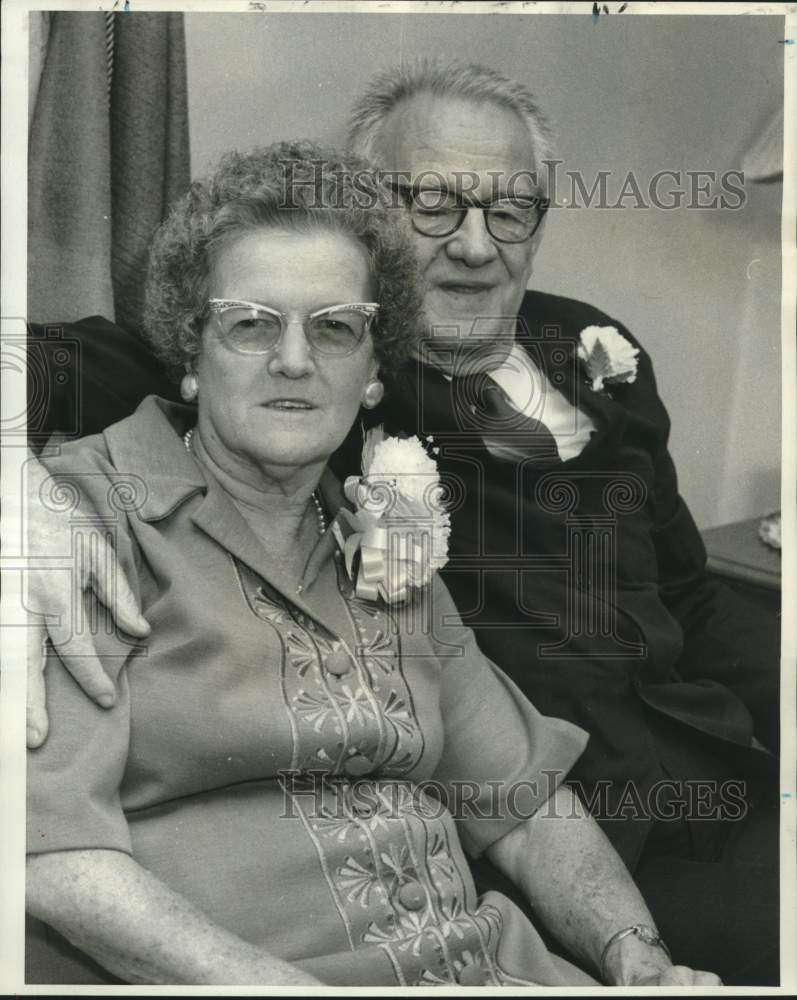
<point x="358" y="765"/>
<point x="471" y="975"/>
<point x="411" y="896"/>
<point x="338" y="662"/>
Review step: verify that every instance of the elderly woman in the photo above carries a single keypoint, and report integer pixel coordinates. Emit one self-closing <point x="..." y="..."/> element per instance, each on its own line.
<point x="251" y="810"/>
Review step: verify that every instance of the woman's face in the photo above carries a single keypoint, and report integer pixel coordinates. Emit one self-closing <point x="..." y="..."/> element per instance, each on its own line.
<point x="290" y="407"/>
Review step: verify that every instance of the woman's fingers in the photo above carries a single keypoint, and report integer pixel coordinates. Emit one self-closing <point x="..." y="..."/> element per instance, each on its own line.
<point x="707" y="979"/>
<point x="682" y="975"/>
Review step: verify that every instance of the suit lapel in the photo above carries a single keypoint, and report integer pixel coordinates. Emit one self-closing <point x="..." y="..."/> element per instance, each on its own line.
<point x="419" y="398"/>
<point x="559" y="363"/>
<point x="419" y="401"/>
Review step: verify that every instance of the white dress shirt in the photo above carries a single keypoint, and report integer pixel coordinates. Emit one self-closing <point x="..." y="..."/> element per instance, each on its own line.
<point x="531" y="393"/>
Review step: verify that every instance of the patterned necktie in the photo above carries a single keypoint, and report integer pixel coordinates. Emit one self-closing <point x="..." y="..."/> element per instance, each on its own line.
<point x="507" y="433"/>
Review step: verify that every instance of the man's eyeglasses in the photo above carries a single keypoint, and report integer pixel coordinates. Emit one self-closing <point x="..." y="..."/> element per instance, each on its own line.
<point x="252" y="328"/>
<point x="436" y="213"/>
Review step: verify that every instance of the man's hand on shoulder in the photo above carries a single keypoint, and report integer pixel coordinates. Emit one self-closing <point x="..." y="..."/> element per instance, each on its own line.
<point x="52" y="599"/>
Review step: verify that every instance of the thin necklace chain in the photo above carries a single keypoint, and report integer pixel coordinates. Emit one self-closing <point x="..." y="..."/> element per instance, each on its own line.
<point x="321" y="517"/>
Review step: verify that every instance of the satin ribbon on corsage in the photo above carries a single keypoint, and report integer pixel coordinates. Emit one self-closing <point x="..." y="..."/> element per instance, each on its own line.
<point x="397" y="534"/>
<point x="607" y="355"/>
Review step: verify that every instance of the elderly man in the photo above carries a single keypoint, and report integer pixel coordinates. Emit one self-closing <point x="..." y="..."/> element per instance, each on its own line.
<point x="573" y="557"/>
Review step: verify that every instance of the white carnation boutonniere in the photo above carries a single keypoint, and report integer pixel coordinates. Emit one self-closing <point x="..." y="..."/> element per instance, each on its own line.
<point x="398" y="534"/>
<point x="607" y="355"/>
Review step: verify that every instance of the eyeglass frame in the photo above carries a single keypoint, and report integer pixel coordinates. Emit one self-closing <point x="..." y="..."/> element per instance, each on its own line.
<point x="411" y="192"/>
<point x="217" y="306"/>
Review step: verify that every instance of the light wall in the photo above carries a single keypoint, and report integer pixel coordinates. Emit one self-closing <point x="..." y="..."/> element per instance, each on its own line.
<point x="699" y="288"/>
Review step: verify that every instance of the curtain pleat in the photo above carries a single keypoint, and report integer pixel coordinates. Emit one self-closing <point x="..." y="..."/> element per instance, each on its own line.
<point x="149" y="145"/>
<point x="69" y="191"/>
<point x="38" y="37"/>
<point x="103" y="172"/>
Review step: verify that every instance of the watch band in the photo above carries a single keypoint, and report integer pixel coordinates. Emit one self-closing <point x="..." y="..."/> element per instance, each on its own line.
<point x="649" y="935"/>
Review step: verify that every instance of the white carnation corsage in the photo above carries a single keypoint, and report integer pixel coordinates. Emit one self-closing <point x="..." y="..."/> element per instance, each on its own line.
<point x="397" y="535"/>
<point x="607" y="355"/>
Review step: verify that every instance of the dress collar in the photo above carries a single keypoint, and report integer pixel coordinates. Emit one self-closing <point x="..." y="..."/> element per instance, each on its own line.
<point x="149" y="447"/>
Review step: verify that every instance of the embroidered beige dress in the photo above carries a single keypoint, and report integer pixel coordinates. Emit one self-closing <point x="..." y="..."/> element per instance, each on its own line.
<point x="308" y="769"/>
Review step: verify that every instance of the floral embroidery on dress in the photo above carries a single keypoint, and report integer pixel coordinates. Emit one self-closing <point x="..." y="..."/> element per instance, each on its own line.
<point x="267" y="609"/>
<point x="355" y="704"/>
<point x="378" y="654"/>
<point x="302" y="652"/>
<point x="374" y="934"/>
<point x="454" y="920"/>
<point x="411" y="930"/>
<point x="357" y="881"/>
<point x="388" y="889"/>
<point x="440" y="861"/>
<point x="315" y="709"/>
<point x="379" y="649"/>
<point x="364" y="710"/>
<point x="399" y="864"/>
<point x="337" y="829"/>
<point x="395" y="708"/>
<point x="428" y="944"/>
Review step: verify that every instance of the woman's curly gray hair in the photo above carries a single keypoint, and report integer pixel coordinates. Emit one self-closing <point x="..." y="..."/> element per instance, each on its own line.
<point x="294" y="185"/>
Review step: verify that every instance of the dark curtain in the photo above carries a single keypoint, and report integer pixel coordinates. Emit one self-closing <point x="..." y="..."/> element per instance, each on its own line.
<point x="109" y="153"/>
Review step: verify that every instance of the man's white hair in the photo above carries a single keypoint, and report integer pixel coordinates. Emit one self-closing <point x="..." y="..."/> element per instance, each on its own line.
<point x="469" y="81"/>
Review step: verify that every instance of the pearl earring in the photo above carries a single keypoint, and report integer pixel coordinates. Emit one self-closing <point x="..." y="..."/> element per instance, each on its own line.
<point x="189" y="387"/>
<point x="373" y="393"/>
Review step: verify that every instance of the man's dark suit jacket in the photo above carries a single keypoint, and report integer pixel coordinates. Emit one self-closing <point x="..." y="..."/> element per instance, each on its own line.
<point x="586" y="582"/>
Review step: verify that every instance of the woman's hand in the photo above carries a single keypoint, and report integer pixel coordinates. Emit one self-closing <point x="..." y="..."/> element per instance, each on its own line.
<point x="676" y="975"/>
<point x="53" y="596"/>
<point x="632" y="962"/>
<point x="583" y="892"/>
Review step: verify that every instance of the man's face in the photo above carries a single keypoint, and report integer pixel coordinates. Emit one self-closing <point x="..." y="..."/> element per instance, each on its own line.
<point x="472" y="283"/>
